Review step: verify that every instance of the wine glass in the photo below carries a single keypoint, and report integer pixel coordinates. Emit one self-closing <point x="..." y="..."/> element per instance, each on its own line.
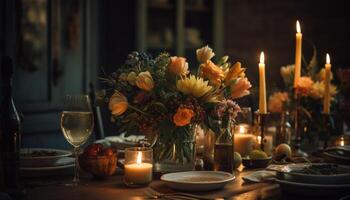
<point x="77" y="122"/>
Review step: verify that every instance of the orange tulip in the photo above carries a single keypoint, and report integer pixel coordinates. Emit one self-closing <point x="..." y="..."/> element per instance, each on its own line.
<point x="118" y="104"/>
<point x="212" y="72"/>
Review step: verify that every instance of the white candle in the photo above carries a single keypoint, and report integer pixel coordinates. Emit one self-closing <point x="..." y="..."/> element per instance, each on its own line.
<point x="327" y="82"/>
<point x="243" y="142"/>
<point x="262" y="86"/>
<point x="298" y="50"/>
<point x="138" y="173"/>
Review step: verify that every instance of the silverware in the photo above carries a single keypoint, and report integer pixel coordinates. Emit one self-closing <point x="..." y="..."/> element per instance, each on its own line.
<point x="152" y="194"/>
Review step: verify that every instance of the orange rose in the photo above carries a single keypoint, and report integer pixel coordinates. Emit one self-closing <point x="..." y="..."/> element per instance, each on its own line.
<point x="304" y="86"/>
<point x="178" y="66"/>
<point x="212" y="72"/>
<point x="118" y="104"/>
<point x="183" y="116"/>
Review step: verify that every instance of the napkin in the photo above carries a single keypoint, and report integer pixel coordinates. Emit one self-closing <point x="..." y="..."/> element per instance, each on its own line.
<point x="121" y="141"/>
<point x="259" y="176"/>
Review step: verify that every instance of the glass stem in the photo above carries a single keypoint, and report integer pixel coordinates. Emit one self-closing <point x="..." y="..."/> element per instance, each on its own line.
<point x="76" y="168"/>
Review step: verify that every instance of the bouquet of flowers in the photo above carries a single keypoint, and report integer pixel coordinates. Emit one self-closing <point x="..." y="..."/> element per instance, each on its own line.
<point x="310" y="89"/>
<point x="159" y="97"/>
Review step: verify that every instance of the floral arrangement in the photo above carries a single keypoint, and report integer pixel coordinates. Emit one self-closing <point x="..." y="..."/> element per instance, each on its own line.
<point x="310" y="89"/>
<point x="160" y="95"/>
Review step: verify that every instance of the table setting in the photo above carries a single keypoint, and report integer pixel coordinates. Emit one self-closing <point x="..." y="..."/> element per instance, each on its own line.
<point x="184" y="135"/>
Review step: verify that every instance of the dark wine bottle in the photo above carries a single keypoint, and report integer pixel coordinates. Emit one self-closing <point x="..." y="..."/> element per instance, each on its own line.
<point x="9" y="132"/>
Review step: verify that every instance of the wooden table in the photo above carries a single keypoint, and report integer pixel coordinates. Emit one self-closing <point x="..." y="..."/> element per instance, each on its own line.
<point x="52" y="188"/>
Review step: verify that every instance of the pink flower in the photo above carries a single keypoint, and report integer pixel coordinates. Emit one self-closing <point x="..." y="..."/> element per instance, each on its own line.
<point x="276" y="101"/>
<point x="240" y="88"/>
<point x="304" y="86"/>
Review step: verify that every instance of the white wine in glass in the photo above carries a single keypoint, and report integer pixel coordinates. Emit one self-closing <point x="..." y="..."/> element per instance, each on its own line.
<point x="77" y="126"/>
<point x="77" y="123"/>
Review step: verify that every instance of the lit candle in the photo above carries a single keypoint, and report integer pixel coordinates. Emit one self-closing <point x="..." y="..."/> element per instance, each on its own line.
<point x="268" y="144"/>
<point x="138" y="173"/>
<point x="262" y="86"/>
<point x="342" y="141"/>
<point x="243" y="142"/>
<point x="298" y="44"/>
<point x="327" y="82"/>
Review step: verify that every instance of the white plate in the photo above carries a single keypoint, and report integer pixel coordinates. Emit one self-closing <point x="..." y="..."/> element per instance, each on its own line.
<point x="47" y="171"/>
<point x="288" y="174"/>
<point x="308" y="189"/>
<point x="197" y="180"/>
<point x="42" y="161"/>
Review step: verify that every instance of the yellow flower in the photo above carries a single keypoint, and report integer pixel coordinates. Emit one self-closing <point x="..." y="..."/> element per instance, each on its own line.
<point x="183" y="116"/>
<point x="212" y="72"/>
<point x="304" y="86"/>
<point x="276" y="101"/>
<point x="240" y="88"/>
<point x="287" y="73"/>
<point x="235" y="71"/>
<point x="317" y="90"/>
<point x="118" y="104"/>
<point x="178" y="66"/>
<point x="322" y="75"/>
<point x="204" y="54"/>
<point x="145" y="81"/>
<point x="196" y="87"/>
<point x="132" y="78"/>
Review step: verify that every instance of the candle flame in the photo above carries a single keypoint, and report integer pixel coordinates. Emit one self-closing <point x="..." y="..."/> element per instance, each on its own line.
<point x="342" y="141"/>
<point x="262" y="58"/>
<point x="298" y="27"/>
<point x="328" y="59"/>
<point x="139" y="158"/>
<point x="241" y="129"/>
<point x="259" y="139"/>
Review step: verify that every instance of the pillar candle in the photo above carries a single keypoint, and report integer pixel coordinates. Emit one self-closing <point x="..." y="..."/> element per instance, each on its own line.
<point x="243" y="141"/>
<point x="298" y="45"/>
<point x="262" y="87"/>
<point x="327" y="82"/>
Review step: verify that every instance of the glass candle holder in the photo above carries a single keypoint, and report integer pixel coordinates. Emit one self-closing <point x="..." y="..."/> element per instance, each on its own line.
<point x="243" y="139"/>
<point x="138" y="166"/>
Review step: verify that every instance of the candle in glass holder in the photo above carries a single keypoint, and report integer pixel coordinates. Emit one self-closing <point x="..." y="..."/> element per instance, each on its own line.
<point x="138" y="166"/>
<point x="243" y="142"/>
<point x="268" y="144"/>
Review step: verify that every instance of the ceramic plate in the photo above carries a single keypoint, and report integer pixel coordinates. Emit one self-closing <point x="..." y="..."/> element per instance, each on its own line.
<point x="67" y="168"/>
<point x="42" y="161"/>
<point x="286" y="173"/>
<point x="197" y="180"/>
<point x="308" y="189"/>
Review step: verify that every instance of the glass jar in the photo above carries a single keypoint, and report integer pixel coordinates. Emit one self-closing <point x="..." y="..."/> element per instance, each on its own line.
<point x="223" y="152"/>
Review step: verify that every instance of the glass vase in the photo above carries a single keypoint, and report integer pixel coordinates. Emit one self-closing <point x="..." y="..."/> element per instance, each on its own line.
<point x="175" y="149"/>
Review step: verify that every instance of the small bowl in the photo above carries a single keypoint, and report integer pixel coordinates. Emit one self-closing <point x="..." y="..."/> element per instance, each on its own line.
<point x="255" y="163"/>
<point x="99" y="166"/>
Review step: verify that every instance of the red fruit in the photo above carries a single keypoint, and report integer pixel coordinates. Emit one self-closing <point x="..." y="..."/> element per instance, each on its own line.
<point x="93" y="149"/>
<point x="107" y="151"/>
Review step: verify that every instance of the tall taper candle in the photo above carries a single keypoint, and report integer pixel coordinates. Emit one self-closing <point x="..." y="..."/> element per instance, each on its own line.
<point x="327" y="82"/>
<point x="262" y="86"/>
<point x="298" y="45"/>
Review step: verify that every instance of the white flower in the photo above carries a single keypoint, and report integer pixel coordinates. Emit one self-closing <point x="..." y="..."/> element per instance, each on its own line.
<point x="204" y="54"/>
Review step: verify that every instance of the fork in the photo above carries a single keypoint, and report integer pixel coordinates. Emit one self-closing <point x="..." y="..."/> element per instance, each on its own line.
<point x="152" y="194"/>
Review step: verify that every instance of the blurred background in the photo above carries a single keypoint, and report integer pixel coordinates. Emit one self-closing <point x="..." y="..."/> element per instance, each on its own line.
<point x="61" y="46"/>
